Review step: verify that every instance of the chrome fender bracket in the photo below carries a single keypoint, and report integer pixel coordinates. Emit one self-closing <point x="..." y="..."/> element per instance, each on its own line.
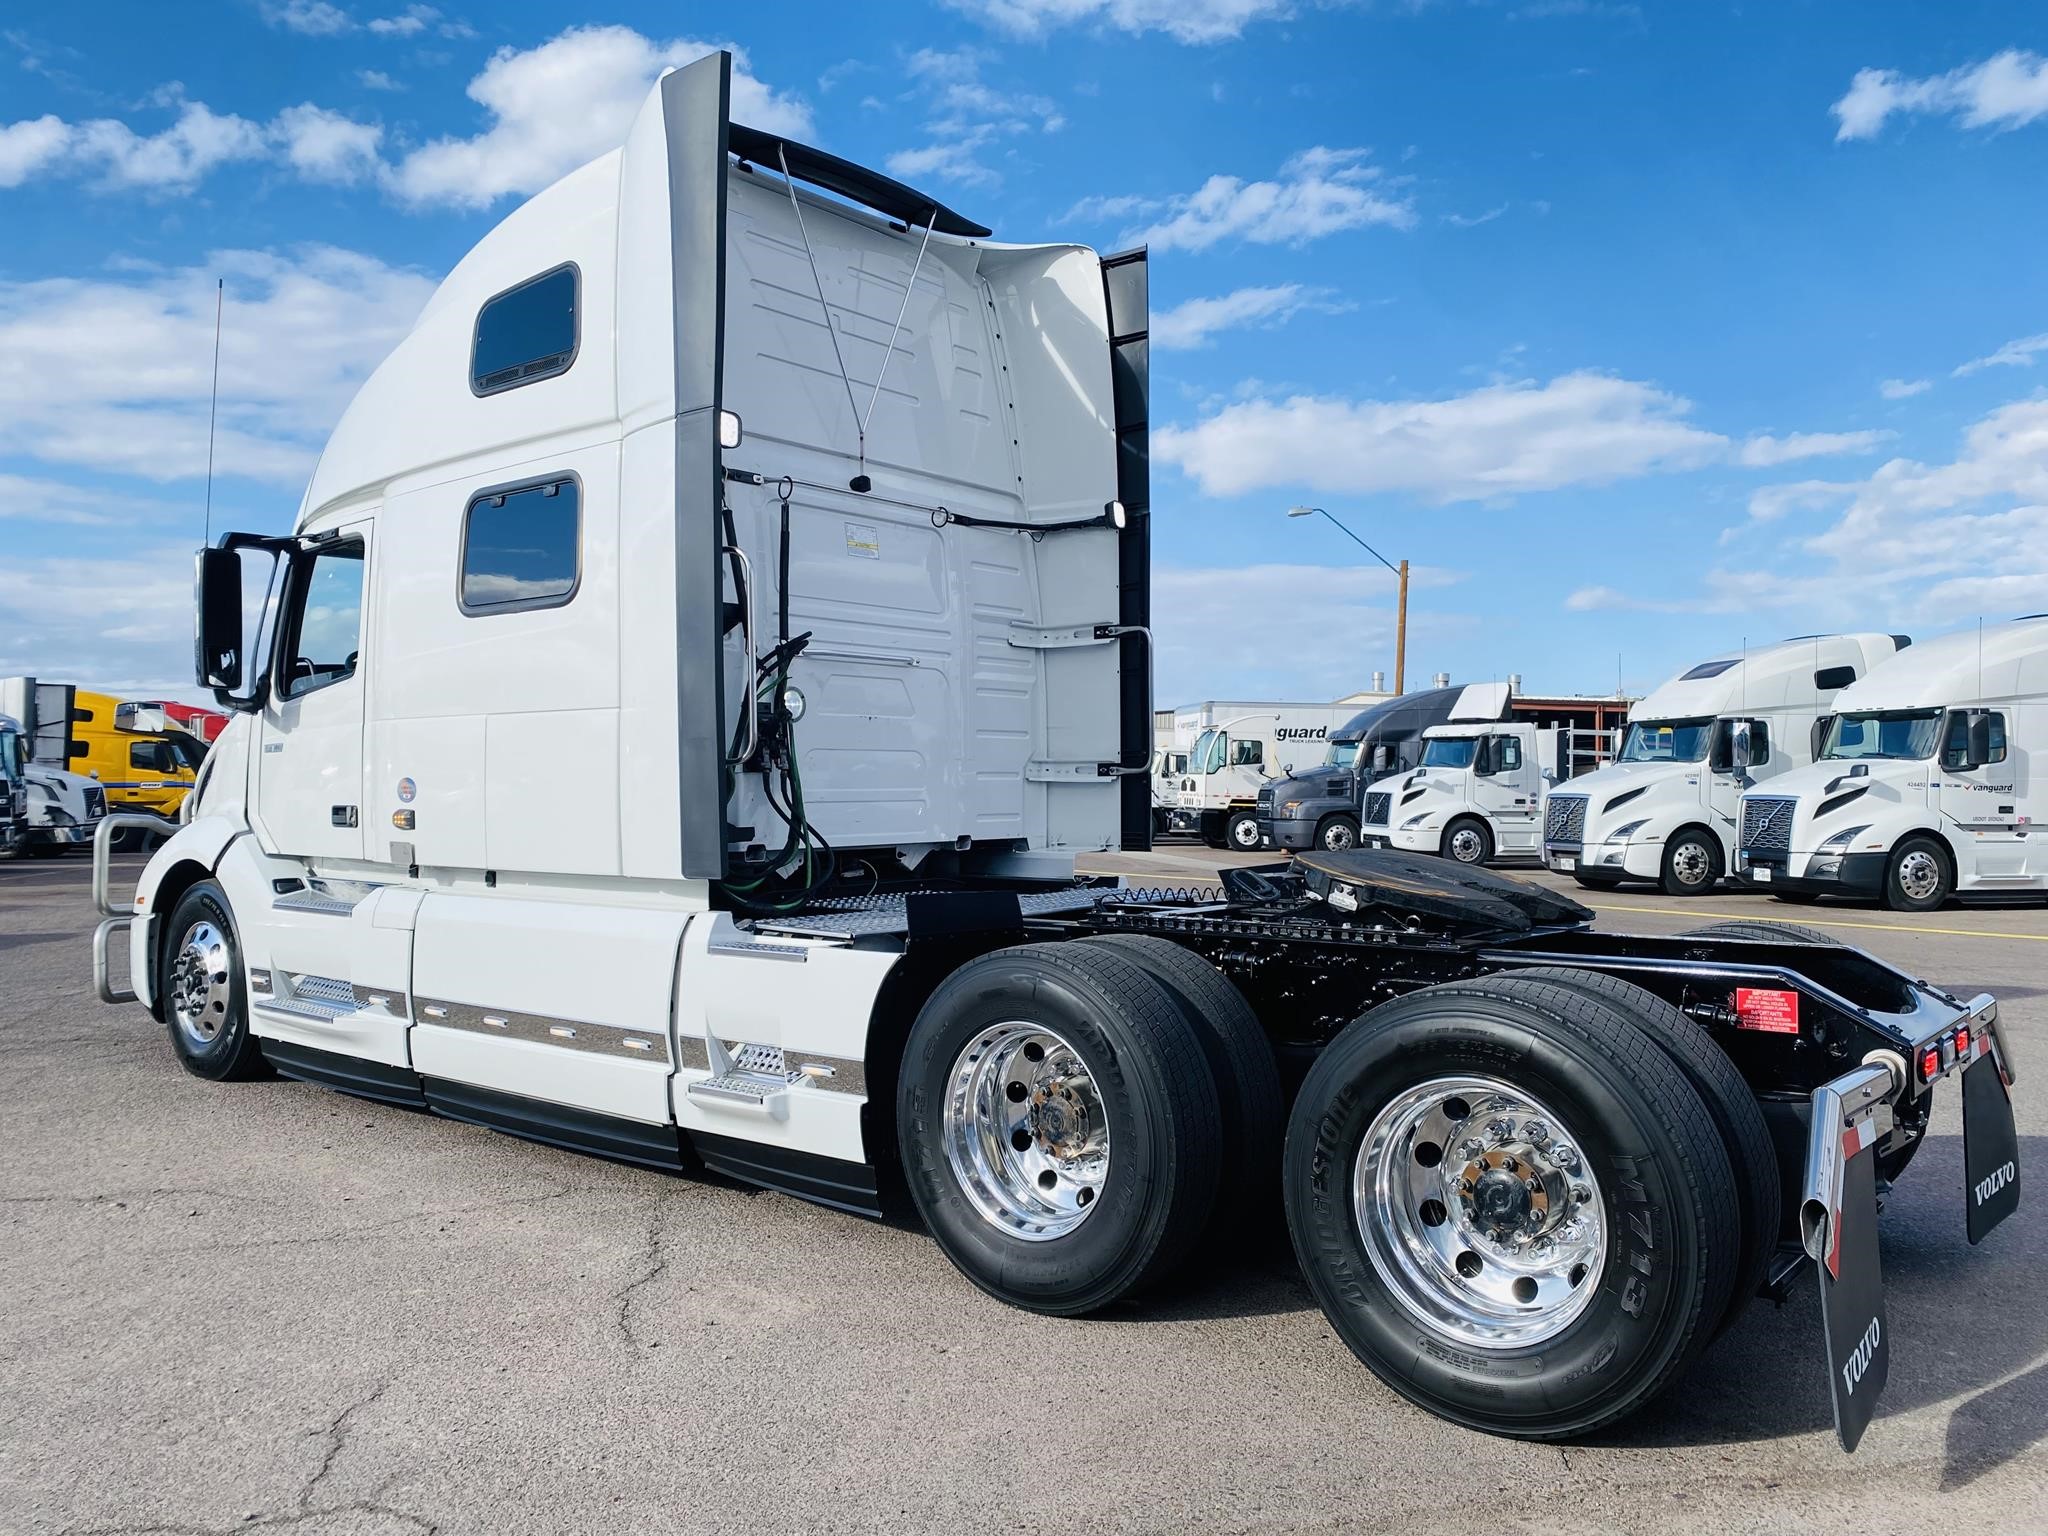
<point x="104" y="971"/>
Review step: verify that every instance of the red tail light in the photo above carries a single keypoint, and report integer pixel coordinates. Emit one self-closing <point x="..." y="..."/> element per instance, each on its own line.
<point x="1962" y="1040"/>
<point x="1930" y="1063"/>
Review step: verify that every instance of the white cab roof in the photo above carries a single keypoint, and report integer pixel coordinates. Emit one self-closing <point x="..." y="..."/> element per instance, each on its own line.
<point x="2009" y="661"/>
<point x="1777" y="676"/>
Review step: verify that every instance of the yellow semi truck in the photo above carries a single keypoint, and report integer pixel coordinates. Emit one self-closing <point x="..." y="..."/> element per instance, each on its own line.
<point x="141" y="760"/>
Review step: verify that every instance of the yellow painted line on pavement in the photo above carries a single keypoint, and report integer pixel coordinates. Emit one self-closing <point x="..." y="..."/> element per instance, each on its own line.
<point x="1815" y="922"/>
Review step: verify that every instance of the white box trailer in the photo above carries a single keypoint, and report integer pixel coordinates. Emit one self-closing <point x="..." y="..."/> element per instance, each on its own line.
<point x="1666" y="810"/>
<point x="1238" y="747"/>
<point x="843" y="691"/>
<point x="1925" y="786"/>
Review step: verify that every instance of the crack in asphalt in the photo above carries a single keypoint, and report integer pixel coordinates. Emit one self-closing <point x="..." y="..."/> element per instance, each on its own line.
<point x="656" y="1259"/>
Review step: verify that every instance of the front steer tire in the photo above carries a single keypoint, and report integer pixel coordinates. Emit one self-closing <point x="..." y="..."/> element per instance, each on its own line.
<point x="204" y="989"/>
<point x="1692" y="864"/>
<point x="1148" y="1073"/>
<point x="1672" y="1220"/>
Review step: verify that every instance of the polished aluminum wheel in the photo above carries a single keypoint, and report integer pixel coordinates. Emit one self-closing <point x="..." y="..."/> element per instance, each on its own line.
<point x="200" y="988"/>
<point x="1244" y="834"/>
<point x="1026" y="1133"/>
<point x="1467" y="846"/>
<point x="1919" y="875"/>
<point x="1479" y="1213"/>
<point x="1339" y="836"/>
<point x="1692" y="864"/>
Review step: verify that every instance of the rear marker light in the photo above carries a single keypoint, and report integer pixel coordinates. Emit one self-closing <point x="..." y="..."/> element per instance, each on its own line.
<point x="1962" y="1040"/>
<point x="1930" y="1063"/>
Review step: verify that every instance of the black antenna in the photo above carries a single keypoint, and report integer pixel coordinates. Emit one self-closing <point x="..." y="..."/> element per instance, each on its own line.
<point x="220" y="288"/>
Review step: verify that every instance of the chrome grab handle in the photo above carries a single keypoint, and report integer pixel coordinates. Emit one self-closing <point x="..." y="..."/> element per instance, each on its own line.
<point x="753" y="654"/>
<point x="103" y="852"/>
<point x="1151" y="667"/>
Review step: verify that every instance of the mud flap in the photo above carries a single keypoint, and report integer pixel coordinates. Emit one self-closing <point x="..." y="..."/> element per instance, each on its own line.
<point x="1838" y="1225"/>
<point x="1991" y="1147"/>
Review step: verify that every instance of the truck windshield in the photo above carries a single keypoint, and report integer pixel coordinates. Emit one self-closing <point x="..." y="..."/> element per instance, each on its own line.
<point x="1342" y="754"/>
<point x="1207" y="756"/>
<point x="1904" y="734"/>
<point x="1450" y="752"/>
<point x="1667" y="741"/>
<point x="10" y="756"/>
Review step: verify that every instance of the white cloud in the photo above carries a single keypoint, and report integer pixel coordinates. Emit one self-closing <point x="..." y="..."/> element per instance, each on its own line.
<point x="175" y="159"/>
<point x="1474" y="220"/>
<point x="30" y="146"/>
<point x="967" y="117"/>
<point x="410" y="22"/>
<point x="1187" y="21"/>
<point x="1764" y="451"/>
<point x="1495" y="442"/>
<point x="123" y="622"/>
<point x="377" y="80"/>
<point x="567" y="101"/>
<point x="1319" y="192"/>
<point x="2014" y="354"/>
<point x="309" y="18"/>
<point x="112" y="373"/>
<point x="1772" y="502"/>
<point x="1191" y="324"/>
<point x="1913" y="544"/>
<point x="2007" y="90"/>
<point x="1904" y="389"/>
<point x="1095" y="210"/>
<point x="328" y="146"/>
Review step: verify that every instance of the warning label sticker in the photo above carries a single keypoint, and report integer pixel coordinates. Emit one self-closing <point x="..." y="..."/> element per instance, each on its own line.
<point x="863" y="541"/>
<point x="1765" y="1008"/>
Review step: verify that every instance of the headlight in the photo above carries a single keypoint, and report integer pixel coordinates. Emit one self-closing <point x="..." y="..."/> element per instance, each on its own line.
<point x="1289" y="807"/>
<point x="1414" y="821"/>
<point x="1845" y="837"/>
<point x="1626" y="830"/>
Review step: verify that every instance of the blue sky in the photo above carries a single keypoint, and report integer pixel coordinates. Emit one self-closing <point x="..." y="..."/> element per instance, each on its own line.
<point x="1639" y="330"/>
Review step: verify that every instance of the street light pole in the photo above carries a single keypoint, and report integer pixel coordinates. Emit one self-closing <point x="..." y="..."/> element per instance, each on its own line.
<point x="1401" y="612"/>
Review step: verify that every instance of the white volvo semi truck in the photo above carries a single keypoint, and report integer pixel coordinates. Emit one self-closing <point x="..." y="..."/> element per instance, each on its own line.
<point x="1475" y="796"/>
<point x="803" y="528"/>
<point x="1666" y="809"/>
<point x="1924" y="788"/>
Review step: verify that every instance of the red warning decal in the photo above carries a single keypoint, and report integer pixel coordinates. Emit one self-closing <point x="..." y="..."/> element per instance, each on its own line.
<point x="1763" y="1008"/>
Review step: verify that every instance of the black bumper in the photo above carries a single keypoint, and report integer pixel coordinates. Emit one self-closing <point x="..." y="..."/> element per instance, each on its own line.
<point x="1861" y="874"/>
<point x="1291" y="833"/>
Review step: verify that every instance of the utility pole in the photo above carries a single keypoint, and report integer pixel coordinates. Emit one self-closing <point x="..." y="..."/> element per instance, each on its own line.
<point x="1400" y="612"/>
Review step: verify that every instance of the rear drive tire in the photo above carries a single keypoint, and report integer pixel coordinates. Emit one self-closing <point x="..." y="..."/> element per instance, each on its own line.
<point x="1597" y="882"/>
<point x="46" y="850"/>
<point x="1242" y="1065"/>
<point x="1766" y="930"/>
<point x="1056" y="1119"/>
<point x="1650" y="1222"/>
<point x="204" y="990"/>
<point x="1211" y="825"/>
<point x="1241" y="832"/>
<point x="1337" y="834"/>
<point x="1468" y="840"/>
<point x="1752" y="1156"/>
<point x="1919" y="876"/>
<point x="1692" y="863"/>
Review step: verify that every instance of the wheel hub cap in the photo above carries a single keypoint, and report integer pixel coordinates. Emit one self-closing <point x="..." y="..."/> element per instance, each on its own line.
<point x="1025" y="1132"/>
<point x="1478" y="1212"/>
<point x="1690" y="863"/>
<point x="199" y="989"/>
<point x="1919" y="875"/>
<point x="1465" y="846"/>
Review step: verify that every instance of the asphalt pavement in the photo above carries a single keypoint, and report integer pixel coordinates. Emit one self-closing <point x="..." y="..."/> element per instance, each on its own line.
<point x="255" y="1306"/>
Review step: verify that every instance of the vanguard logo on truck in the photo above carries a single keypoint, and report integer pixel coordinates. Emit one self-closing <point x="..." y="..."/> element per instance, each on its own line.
<point x="1301" y="733"/>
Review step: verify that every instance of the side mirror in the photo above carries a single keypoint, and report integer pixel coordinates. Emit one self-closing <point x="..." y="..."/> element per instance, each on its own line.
<point x="217" y="634"/>
<point x="1987" y="739"/>
<point x="1738" y="745"/>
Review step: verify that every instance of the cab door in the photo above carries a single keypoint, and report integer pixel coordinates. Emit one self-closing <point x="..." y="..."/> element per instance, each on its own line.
<point x="1506" y="791"/>
<point x="310" y="770"/>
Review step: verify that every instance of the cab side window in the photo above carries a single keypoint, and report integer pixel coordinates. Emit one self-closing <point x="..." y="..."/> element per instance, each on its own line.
<point x="151" y="756"/>
<point x="324" y="623"/>
<point x="1955" y="745"/>
<point x="1247" y="753"/>
<point x="1507" y="754"/>
<point x="525" y="334"/>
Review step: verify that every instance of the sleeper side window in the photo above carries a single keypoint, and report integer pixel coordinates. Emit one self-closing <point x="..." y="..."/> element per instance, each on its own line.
<point x="525" y="334"/>
<point x="521" y="547"/>
<point x="324" y="622"/>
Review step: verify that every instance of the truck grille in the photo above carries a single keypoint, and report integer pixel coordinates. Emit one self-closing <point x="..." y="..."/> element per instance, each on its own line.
<point x="1379" y="805"/>
<point x="1767" y="823"/>
<point x="95" y="803"/>
<point x="1266" y="801"/>
<point x="1564" y="819"/>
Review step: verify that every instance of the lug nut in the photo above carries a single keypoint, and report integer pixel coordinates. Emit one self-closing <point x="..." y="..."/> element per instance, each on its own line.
<point x="1536" y="1132"/>
<point x="1472" y="1150"/>
<point x="1565" y="1157"/>
<point x="1501" y="1129"/>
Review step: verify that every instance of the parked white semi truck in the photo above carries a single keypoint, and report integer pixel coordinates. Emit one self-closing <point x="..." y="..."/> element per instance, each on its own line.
<point x="1239" y="749"/>
<point x="1666" y="810"/>
<point x="1924" y="788"/>
<point x="1475" y="796"/>
<point x="803" y="529"/>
